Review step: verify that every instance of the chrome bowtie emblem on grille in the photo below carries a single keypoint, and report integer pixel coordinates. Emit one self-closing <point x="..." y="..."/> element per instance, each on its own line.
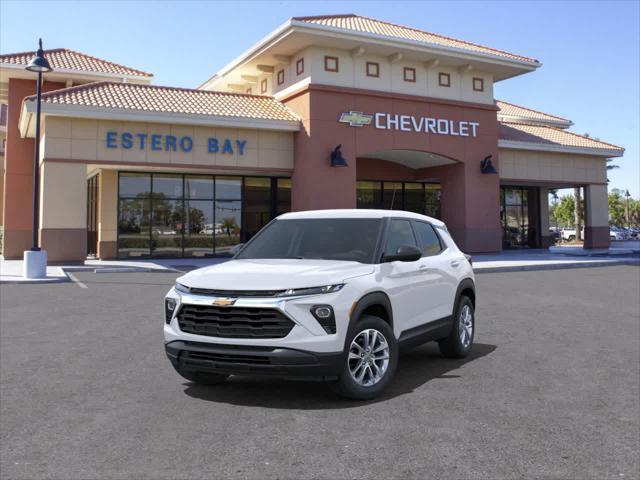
<point x="355" y="119"/>
<point x="224" y="302"/>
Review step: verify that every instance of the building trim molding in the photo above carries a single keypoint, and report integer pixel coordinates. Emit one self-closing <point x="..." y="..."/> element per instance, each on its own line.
<point x="544" y="147"/>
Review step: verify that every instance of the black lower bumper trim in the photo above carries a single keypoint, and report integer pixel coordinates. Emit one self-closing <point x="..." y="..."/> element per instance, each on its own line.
<point x="251" y="360"/>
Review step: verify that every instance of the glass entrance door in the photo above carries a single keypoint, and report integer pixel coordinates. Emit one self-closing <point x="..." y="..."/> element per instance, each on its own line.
<point x="519" y="217"/>
<point x="92" y="216"/>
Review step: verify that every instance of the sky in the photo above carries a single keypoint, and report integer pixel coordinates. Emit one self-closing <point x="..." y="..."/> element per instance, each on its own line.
<point x="590" y="51"/>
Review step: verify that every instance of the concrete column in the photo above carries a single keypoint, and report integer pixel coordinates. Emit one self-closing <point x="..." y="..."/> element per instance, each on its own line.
<point x="314" y="183"/>
<point x="18" y="175"/>
<point x="470" y="206"/>
<point x="546" y="240"/>
<point x="107" y="214"/>
<point x="596" y="217"/>
<point x="63" y="211"/>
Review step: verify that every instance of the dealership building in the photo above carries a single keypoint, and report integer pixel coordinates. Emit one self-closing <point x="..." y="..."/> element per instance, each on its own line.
<point x="337" y="111"/>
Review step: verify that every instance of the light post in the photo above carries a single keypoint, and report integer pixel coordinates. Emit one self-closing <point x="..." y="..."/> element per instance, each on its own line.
<point x="35" y="260"/>
<point x="626" y="208"/>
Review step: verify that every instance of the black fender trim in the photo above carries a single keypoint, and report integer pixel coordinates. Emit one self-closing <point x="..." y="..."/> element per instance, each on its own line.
<point x="464" y="284"/>
<point x="368" y="300"/>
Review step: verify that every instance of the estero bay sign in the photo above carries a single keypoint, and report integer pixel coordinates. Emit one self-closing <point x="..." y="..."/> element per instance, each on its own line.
<point x="171" y="143"/>
<point x="411" y="123"/>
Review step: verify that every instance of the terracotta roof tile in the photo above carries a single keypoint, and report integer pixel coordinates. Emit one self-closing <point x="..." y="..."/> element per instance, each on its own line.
<point x="379" y="27"/>
<point x="65" y="59"/>
<point x="517" y="132"/>
<point x="153" y="98"/>
<point x="513" y="110"/>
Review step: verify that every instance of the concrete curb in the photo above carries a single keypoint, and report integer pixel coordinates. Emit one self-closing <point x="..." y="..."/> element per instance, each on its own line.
<point x="555" y="266"/>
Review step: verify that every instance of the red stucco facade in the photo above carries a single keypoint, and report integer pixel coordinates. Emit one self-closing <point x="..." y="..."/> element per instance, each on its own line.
<point x="470" y="199"/>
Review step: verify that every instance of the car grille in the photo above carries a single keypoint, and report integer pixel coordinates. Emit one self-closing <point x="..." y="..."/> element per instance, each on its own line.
<point x="234" y="322"/>
<point x="234" y="293"/>
<point x="207" y="359"/>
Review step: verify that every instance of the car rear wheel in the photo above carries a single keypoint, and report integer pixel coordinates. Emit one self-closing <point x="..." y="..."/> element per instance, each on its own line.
<point x="370" y="360"/>
<point x="460" y="341"/>
<point x="202" y="378"/>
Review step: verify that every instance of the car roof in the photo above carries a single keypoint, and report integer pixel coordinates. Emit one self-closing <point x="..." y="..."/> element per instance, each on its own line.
<point x="358" y="213"/>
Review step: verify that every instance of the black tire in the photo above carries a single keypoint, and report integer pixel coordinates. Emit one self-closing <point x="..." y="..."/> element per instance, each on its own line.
<point x="452" y="346"/>
<point x="202" y="378"/>
<point x="346" y="385"/>
<point x="571" y="238"/>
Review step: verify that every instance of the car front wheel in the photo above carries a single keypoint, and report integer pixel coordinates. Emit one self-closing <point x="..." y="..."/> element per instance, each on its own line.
<point x="370" y="360"/>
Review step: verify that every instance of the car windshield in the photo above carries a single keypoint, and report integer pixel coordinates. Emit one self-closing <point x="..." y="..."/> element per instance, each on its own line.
<point x="349" y="239"/>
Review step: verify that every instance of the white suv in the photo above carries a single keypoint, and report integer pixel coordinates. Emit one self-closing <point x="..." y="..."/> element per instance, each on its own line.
<point x="330" y="293"/>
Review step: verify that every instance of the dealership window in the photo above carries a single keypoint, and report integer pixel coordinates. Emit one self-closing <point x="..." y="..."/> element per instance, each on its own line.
<point x="418" y="197"/>
<point x="331" y="64"/>
<point x="280" y="77"/>
<point x="300" y="66"/>
<point x="170" y="215"/>
<point x="263" y="86"/>
<point x="444" y="79"/>
<point x="478" y="84"/>
<point x="409" y="74"/>
<point x="373" y="69"/>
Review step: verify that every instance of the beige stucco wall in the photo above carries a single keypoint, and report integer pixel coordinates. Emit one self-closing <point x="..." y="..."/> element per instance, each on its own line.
<point x="81" y="139"/>
<point x="598" y="206"/>
<point x="108" y="206"/>
<point x="63" y="196"/>
<point x="352" y="73"/>
<point x="552" y="167"/>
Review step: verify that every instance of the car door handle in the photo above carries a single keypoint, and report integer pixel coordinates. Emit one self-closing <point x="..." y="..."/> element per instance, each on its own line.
<point x="423" y="268"/>
<point x="455" y="263"/>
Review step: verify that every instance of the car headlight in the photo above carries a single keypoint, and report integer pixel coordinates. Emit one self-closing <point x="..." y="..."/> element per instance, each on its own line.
<point x="182" y="288"/>
<point x="295" y="292"/>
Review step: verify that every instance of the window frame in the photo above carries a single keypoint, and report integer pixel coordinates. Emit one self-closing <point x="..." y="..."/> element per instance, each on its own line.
<point x="300" y="66"/>
<point x="443" y="75"/>
<point x="377" y="67"/>
<point x="443" y="246"/>
<point x="327" y="59"/>
<point x="263" y="85"/>
<point x="407" y="70"/>
<point x="280" y="76"/>
<point x="480" y="82"/>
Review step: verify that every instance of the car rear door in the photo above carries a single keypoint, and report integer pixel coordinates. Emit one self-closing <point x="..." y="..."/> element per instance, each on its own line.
<point x="438" y="268"/>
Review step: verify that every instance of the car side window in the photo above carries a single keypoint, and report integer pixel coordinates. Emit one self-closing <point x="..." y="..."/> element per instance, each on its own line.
<point x="400" y="233"/>
<point x="429" y="240"/>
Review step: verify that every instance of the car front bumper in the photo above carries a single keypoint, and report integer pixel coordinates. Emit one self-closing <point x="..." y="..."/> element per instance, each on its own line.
<point x="252" y="360"/>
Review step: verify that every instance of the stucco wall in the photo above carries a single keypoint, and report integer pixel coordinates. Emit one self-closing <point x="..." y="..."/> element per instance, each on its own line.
<point x="352" y="73"/>
<point x="85" y="140"/>
<point x="551" y="167"/>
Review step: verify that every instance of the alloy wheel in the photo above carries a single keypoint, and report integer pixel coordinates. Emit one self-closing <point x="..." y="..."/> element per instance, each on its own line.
<point x="368" y="357"/>
<point x="466" y="326"/>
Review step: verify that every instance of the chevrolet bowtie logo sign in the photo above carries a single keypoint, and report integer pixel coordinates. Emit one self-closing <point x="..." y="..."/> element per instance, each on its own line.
<point x="224" y="302"/>
<point x="356" y="119"/>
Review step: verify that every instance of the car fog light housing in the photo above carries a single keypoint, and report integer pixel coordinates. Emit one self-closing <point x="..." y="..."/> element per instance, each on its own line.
<point x="325" y="317"/>
<point x="170" y="305"/>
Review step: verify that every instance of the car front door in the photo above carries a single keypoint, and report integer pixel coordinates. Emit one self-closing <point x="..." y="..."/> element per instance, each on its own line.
<point x="403" y="282"/>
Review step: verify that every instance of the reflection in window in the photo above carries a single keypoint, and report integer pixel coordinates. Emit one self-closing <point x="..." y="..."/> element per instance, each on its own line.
<point x="193" y="215"/>
<point x="392" y="195"/>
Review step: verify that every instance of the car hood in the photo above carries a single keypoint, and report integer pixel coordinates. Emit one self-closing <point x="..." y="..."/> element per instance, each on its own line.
<point x="273" y="274"/>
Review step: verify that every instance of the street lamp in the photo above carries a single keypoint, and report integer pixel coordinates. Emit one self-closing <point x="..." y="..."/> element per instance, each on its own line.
<point x="626" y="208"/>
<point x="35" y="260"/>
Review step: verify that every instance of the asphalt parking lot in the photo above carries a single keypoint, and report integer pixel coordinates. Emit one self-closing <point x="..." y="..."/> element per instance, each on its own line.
<point x="550" y="391"/>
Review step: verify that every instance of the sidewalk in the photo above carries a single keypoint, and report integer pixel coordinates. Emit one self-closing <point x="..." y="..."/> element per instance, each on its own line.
<point x="506" y="261"/>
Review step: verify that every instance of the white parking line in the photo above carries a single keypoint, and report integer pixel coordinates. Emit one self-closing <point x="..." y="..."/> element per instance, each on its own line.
<point x="75" y="280"/>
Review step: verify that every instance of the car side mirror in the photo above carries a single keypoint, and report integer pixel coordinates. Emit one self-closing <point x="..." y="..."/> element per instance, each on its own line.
<point x="236" y="249"/>
<point x="405" y="253"/>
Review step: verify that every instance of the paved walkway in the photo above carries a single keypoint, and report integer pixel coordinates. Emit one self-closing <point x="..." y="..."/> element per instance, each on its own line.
<point x="506" y="261"/>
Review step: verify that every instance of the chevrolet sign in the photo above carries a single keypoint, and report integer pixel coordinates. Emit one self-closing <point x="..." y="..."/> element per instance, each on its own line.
<point x="355" y="119"/>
